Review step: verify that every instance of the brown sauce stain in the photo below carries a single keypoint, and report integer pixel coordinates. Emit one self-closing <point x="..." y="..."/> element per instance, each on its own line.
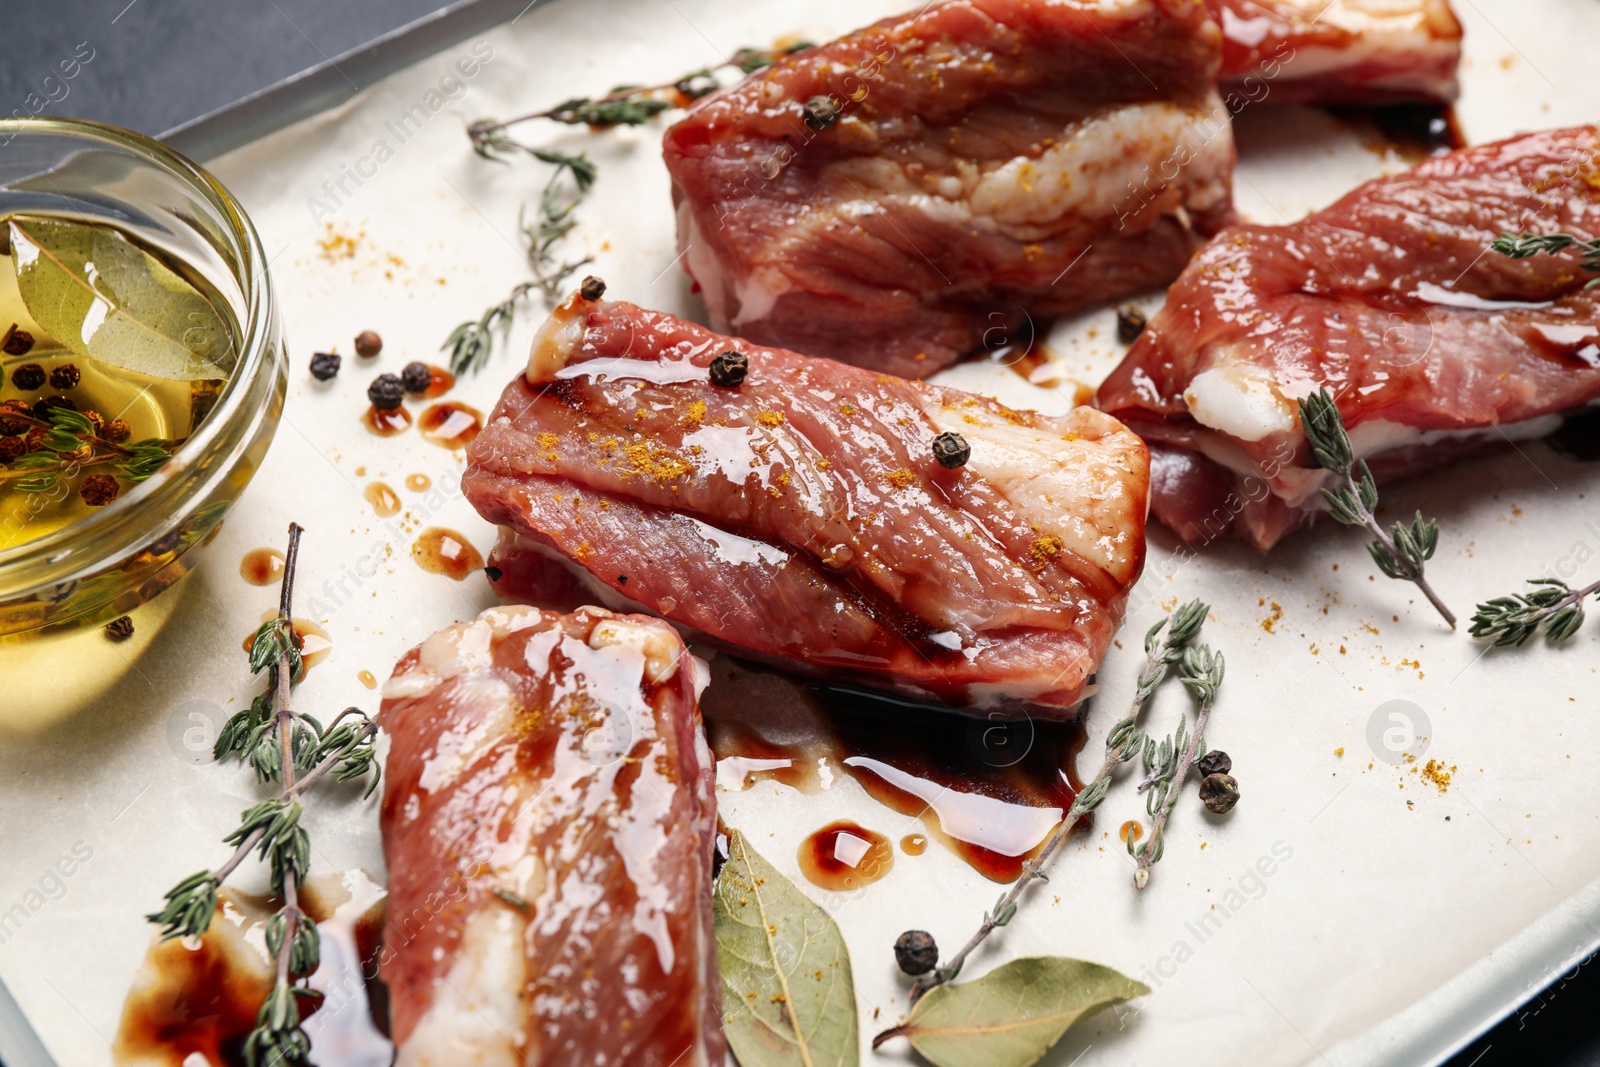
<point x="1413" y="132"/>
<point x="386" y="423"/>
<point x="440" y="551"/>
<point x="450" y="424"/>
<point x="261" y="566"/>
<point x="440" y="382"/>
<point x="418" y="483"/>
<point x="367" y="679"/>
<point x="844" y="856"/>
<point x="312" y="640"/>
<point x="200" y="997"/>
<point x="385" y="501"/>
<point x="914" y="844"/>
<point x="1578" y="437"/>
<point x="990" y="789"/>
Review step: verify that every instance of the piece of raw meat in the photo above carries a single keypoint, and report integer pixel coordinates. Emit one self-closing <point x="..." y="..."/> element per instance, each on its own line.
<point x="1338" y="51"/>
<point x="949" y="178"/>
<point x="548" y="821"/>
<point x="1435" y="346"/>
<point x="801" y="518"/>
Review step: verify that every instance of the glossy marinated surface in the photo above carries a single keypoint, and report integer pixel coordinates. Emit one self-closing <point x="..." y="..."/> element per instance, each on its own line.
<point x="547" y="821"/>
<point x="801" y="517"/>
<point x="1339" y="51"/>
<point x="994" y="160"/>
<point x="1434" y="346"/>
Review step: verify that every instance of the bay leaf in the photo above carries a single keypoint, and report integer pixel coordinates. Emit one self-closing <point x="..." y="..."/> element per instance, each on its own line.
<point x="107" y="299"/>
<point x="1011" y="1016"/>
<point x="788" y="997"/>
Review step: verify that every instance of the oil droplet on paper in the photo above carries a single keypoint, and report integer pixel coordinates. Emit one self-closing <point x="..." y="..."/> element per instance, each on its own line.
<point x="844" y="856"/>
<point x="386" y="423"/>
<point x="384" y="501"/>
<point x="418" y="483"/>
<point x="450" y="425"/>
<point x="913" y="844"/>
<point x="440" y="551"/>
<point x="261" y="566"/>
<point x="366" y="678"/>
<point x="1131" y="831"/>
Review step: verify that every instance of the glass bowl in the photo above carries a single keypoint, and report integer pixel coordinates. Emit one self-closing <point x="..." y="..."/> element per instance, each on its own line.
<point x="59" y="591"/>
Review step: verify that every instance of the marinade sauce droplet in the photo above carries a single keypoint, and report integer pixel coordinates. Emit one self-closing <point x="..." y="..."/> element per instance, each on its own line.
<point x="261" y="566"/>
<point x="440" y="551"/>
<point x="384" y="500"/>
<point x="450" y="424"/>
<point x="843" y="856"/>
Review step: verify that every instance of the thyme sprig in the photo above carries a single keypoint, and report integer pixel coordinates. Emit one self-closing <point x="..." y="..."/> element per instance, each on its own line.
<point x="1523" y="246"/>
<point x="70" y="445"/>
<point x="1167" y="764"/>
<point x="293" y="750"/>
<point x="472" y="343"/>
<point x="1123" y="742"/>
<point x="1551" y="604"/>
<point x="626" y="105"/>
<point x="1400" y="552"/>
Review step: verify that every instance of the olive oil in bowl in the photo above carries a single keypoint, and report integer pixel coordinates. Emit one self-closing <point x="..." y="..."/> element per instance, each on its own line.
<point x="112" y="354"/>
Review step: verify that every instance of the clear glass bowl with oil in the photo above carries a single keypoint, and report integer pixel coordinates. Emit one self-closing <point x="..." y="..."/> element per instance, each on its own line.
<point x="143" y="378"/>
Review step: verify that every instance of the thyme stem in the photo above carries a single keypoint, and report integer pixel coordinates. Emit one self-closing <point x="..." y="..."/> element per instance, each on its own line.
<point x="1123" y="742"/>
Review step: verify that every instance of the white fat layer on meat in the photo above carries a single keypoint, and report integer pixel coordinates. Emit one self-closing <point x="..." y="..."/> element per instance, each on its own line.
<point x="1089" y="172"/>
<point x="1374" y="21"/>
<point x="458" y="648"/>
<point x="704" y="267"/>
<point x="1239" y="399"/>
<point x="555" y="343"/>
<point x="1301" y="487"/>
<point x="1414" y="38"/>
<point x="477" y="1013"/>
<point x="655" y="642"/>
<point x="1072" y="477"/>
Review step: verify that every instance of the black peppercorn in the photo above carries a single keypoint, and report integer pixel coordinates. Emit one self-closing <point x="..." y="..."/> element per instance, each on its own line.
<point x="1219" y="792"/>
<point x="493" y="573"/>
<point x="16" y="342"/>
<point x="116" y="431"/>
<point x="1214" y="762"/>
<point x="386" y="392"/>
<point x="729" y="369"/>
<point x="368" y="344"/>
<point x="65" y="376"/>
<point x="1130" y="323"/>
<point x="28" y="376"/>
<point x="592" y="288"/>
<point x="416" y="377"/>
<point x="951" y="450"/>
<point x="12" y="414"/>
<point x="45" y="405"/>
<point x="821" y="112"/>
<point x="119" y="629"/>
<point x="916" y="952"/>
<point x="324" y="365"/>
<point x="98" y="490"/>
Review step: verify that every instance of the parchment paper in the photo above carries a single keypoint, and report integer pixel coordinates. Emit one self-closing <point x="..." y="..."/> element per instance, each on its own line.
<point x="1319" y="922"/>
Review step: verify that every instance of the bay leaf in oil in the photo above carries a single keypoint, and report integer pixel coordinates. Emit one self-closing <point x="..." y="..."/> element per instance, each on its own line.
<point x="105" y="298"/>
<point x="788" y="997"/>
<point x="1011" y="1016"/>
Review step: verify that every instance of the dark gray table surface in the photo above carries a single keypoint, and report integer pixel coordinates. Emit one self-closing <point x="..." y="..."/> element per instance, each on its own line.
<point x="217" y="73"/>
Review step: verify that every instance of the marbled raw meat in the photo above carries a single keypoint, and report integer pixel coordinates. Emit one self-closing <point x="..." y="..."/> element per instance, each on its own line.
<point x="801" y="519"/>
<point x="1434" y="346"/>
<point x="548" y="821"/>
<point x="1339" y="51"/>
<point x="995" y="163"/>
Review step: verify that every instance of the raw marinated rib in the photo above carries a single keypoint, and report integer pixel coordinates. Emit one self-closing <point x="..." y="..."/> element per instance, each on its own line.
<point x="994" y="161"/>
<point x="800" y="518"/>
<point x="1434" y="346"/>
<point x="548" y="821"/>
<point x="1339" y="51"/>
